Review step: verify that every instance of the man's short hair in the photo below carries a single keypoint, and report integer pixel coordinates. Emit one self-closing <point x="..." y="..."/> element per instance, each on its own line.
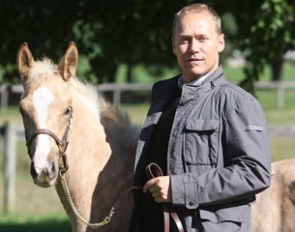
<point x="197" y="8"/>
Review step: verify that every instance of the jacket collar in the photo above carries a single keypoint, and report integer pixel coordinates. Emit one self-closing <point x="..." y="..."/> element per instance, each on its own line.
<point x="214" y="79"/>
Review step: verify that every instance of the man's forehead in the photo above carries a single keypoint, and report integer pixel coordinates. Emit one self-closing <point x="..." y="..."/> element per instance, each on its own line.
<point x="192" y="21"/>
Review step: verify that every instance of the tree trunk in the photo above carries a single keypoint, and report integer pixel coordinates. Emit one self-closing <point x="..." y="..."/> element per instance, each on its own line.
<point x="112" y="71"/>
<point x="277" y="68"/>
<point x="129" y="73"/>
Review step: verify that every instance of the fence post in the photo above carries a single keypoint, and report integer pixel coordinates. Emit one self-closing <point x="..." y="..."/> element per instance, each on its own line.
<point x="280" y="95"/>
<point x="4" y="97"/>
<point x="9" y="166"/>
<point x="117" y="96"/>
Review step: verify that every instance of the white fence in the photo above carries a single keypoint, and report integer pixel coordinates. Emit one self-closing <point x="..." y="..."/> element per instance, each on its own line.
<point x="12" y="133"/>
<point x="117" y="90"/>
<point x="280" y="87"/>
<point x="9" y="135"/>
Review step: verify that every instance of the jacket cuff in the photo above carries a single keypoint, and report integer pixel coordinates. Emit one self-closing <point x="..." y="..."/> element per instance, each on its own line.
<point x="183" y="193"/>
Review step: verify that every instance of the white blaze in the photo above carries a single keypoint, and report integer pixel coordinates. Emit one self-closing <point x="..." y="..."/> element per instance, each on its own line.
<point x="42" y="98"/>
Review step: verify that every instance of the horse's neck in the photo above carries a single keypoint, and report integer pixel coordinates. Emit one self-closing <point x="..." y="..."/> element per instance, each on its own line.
<point x="89" y="150"/>
<point x="98" y="169"/>
<point x="87" y="154"/>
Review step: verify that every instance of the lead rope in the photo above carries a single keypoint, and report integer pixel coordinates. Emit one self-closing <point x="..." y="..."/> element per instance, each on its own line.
<point x="104" y="222"/>
<point x="153" y="170"/>
<point x="62" y="150"/>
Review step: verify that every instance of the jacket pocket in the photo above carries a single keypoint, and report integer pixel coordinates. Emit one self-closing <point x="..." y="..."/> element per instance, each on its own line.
<point x="201" y="142"/>
<point x="228" y="219"/>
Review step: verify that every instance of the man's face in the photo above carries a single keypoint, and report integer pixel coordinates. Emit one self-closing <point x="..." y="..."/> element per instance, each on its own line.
<point x="197" y="45"/>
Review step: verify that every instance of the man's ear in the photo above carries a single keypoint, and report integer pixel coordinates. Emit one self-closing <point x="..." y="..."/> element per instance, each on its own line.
<point x="221" y="43"/>
<point x="173" y="45"/>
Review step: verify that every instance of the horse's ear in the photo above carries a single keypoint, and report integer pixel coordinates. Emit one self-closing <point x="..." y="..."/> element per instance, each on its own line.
<point x="25" y="61"/>
<point x="67" y="66"/>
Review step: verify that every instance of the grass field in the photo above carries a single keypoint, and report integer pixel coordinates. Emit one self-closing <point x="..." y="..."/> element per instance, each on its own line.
<point x="38" y="209"/>
<point x="13" y="223"/>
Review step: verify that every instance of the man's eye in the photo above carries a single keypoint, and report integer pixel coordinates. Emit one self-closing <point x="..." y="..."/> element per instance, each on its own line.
<point x="203" y="39"/>
<point x="183" y="41"/>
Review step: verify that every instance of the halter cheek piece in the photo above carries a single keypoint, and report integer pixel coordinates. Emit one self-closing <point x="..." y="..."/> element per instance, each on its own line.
<point x="61" y="144"/>
<point x="62" y="147"/>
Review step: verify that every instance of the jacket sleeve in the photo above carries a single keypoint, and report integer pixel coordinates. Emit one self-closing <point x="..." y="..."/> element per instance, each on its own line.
<point x="245" y="158"/>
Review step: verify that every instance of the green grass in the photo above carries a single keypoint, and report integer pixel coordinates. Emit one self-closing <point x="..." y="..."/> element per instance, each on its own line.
<point x="10" y="114"/>
<point x="15" y="223"/>
<point x="39" y="209"/>
<point x="276" y="116"/>
<point x="235" y="75"/>
<point x="282" y="148"/>
<point x="35" y="208"/>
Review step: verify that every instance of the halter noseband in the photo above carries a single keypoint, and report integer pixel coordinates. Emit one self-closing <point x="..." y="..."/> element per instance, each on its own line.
<point x="61" y="144"/>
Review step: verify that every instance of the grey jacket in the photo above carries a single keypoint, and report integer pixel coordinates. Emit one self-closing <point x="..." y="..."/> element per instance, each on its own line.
<point x="218" y="155"/>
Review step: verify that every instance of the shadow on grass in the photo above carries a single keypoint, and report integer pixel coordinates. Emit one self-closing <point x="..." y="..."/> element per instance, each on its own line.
<point x="40" y="226"/>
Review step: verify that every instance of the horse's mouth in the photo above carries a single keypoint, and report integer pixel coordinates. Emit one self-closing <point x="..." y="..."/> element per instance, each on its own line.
<point x="44" y="182"/>
<point x="45" y="179"/>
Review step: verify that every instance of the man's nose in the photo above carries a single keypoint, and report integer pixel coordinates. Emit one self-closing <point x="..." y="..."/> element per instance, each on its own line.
<point x="195" y="45"/>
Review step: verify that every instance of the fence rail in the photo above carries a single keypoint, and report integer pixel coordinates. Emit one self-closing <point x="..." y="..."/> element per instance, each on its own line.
<point x="280" y="87"/>
<point x="11" y="133"/>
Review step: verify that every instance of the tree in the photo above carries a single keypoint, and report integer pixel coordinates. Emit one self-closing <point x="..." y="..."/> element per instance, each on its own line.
<point x="132" y="32"/>
<point x="265" y="32"/>
<point x="45" y="25"/>
<point x="108" y="33"/>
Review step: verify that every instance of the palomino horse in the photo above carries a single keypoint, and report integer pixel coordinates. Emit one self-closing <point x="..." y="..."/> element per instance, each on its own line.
<point x="62" y="115"/>
<point x="274" y="210"/>
<point x="77" y="142"/>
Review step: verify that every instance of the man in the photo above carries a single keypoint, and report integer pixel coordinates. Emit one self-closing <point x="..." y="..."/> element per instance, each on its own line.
<point x="208" y="136"/>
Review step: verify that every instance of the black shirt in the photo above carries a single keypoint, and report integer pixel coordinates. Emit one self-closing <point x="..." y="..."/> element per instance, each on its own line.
<point x="151" y="212"/>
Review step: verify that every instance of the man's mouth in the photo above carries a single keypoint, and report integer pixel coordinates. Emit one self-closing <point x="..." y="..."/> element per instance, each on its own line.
<point x="195" y="60"/>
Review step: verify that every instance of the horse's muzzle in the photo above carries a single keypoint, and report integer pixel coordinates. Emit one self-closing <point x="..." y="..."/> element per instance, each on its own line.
<point x="44" y="177"/>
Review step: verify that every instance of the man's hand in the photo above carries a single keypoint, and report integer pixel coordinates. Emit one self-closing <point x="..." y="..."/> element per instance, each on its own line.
<point x="159" y="187"/>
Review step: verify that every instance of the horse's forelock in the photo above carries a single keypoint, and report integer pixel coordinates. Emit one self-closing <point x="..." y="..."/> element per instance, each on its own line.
<point x="42" y="68"/>
<point x="111" y="116"/>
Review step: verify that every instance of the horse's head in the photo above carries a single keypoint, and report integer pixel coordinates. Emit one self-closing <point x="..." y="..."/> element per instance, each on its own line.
<point x="46" y="108"/>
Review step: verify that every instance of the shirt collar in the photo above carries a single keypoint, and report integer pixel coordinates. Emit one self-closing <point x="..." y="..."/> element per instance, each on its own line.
<point x="196" y="82"/>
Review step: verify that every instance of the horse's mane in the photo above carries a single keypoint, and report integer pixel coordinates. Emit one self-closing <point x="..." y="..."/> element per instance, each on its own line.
<point x="116" y="123"/>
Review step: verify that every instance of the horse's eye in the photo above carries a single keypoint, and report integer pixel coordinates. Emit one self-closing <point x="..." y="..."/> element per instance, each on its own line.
<point x="69" y="111"/>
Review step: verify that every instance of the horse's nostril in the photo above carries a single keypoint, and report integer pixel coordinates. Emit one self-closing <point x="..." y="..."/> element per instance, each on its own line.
<point x="33" y="171"/>
<point x="52" y="173"/>
<point x="53" y="168"/>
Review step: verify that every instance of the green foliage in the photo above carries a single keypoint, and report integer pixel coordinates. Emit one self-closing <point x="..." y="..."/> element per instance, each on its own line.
<point x="272" y="30"/>
<point x="265" y="32"/>
<point x="269" y="37"/>
<point x="131" y="33"/>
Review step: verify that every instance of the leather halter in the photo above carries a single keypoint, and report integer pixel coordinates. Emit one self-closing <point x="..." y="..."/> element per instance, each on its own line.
<point x="153" y="170"/>
<point x="62" y="147"/>
<point x="62" y="144"/>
